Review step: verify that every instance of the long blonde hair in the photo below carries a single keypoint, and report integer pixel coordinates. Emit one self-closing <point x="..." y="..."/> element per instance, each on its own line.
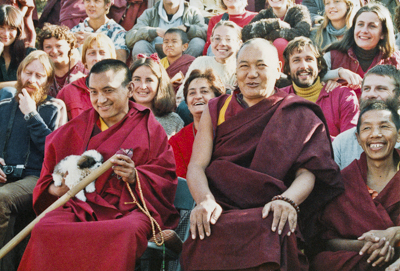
<point x="351" y="12"/>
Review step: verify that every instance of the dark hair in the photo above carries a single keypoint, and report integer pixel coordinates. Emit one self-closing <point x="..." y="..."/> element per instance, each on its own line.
<point x="215" y="82"/>
<point x="386" y="45"/>
<point x="111" y="64"/>
<point x="182" y="34"/>
<point x="298" y="44"/>
<point x="389" y="71"/>
<point x="164" y="101"/>
<point x="11" y="16"/>
<point x="389" y="105"/>
<point x="60" y="32"/>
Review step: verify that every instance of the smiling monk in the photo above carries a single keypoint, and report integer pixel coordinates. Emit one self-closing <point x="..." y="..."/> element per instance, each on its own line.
<point x="362" y="226"/>
<point x="260" y="156"/>
<point x="105" y="233"/>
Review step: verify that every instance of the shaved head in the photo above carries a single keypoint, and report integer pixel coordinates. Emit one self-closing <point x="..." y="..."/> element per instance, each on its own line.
<point x="263" y="45"/>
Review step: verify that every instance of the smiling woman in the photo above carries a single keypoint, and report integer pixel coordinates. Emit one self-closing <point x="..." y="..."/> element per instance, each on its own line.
<point x="58" y="42"/>
<point x="153" y="89"/>
<point x="12" y="48"/>
<point x="200" y="87"/>
<point x="338" y="17"/>
<point x="369" y="42"/>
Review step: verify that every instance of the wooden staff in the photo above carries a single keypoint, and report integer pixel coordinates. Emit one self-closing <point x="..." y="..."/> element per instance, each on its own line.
<point x="60" y="202"/>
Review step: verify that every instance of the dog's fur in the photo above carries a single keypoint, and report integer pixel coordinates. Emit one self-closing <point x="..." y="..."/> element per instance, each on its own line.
<point x="78" y="167"/>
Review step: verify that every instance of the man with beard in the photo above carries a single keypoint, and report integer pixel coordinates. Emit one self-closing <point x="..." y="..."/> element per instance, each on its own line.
<point x="305" y="66"/>
<point x="382" y="82"/>
<point x="25" y="122"/>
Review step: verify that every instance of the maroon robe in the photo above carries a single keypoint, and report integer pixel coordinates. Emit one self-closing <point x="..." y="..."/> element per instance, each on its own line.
<point x="103" y="233"/>
<point x="182" y="64"/>
<point x="354" y="213"/>
<point x="256" y="154"/>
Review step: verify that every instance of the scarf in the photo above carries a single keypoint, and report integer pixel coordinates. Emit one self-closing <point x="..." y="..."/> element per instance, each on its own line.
<point x="335" y="32"/>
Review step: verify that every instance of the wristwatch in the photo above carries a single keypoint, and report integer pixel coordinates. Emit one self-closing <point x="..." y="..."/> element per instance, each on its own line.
<point x="30" y="115"/>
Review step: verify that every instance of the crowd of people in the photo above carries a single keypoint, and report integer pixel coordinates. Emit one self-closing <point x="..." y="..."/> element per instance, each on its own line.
<point x="282" y="116"/>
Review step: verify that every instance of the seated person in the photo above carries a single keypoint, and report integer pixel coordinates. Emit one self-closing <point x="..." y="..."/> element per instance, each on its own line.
<point x="361" y="226"/>
<point x="12" y="48"/>
<point x="199" y="88"/>
<point x="351" y="57"/>
<point x="83" y="228"/>
<point x="305" y="66"/>
<point x="76" y="96"/>
<point x="208" y="8"/>
<point x="33" y="116"/>
<point x="225" y="43"/>
<point x="247" y="199"/>
<point x="381" y="82"/>
<point x="338" y="18"/>
<point x="233" y="11"/>
<point x="26" y="7"/>
<point x="176" y="64"/>
<point x="280" y="23"/>
<point x="153" y="89"/>
<point x="59" y="44"/>
<point x="97" y="22"/>
<point x="146" y="36"/>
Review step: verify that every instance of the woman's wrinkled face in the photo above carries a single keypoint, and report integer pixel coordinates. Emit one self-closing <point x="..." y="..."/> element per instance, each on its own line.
<point x="368" y="30"/>
<point x="199" y="93"/>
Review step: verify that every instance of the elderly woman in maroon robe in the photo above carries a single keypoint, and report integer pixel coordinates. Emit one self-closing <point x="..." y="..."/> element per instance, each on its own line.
<point x="260" y="156"/>
<point x="362" y="224"/>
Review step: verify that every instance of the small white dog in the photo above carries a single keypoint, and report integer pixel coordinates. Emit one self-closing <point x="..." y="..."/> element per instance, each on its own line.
<point x="78" y="167"/>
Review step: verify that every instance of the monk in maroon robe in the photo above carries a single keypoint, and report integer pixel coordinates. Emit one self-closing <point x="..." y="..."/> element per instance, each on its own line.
<point x="105" y="233"/>
<point x="369" y="209"/>
<point x="261" y="143"/>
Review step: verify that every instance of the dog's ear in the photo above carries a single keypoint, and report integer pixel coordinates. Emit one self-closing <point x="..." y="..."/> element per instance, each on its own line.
<point x="86" y="162"/>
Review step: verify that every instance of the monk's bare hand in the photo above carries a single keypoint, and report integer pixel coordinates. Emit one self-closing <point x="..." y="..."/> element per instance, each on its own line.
<point x="3" y="176"/>
<point x="283" y="212"/>
<point x="394" y="266"/>
<point x="206" y="212"/>
<point x="124" y="167"/>
<point x="59" y="191"/>
<point x="379" y="244"/>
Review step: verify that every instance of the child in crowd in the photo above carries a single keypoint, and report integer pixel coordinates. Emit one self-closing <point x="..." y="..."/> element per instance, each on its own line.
<point x="176" y="63"/>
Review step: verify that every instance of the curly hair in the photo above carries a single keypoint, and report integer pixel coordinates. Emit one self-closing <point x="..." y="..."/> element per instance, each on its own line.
<point x="215" y="82"/>
<point x="164" y="101"/>
<point x="60" y="32"/>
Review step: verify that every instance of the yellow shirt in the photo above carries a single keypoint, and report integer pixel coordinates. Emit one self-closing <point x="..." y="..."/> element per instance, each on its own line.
<point x="310" y="93"/>
<point x="164" y="62"/>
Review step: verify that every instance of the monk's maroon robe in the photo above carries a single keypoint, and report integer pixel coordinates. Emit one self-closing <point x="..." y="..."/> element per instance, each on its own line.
<point x="103" y="233"/>
<point x="182" y="64"/>
<point x="256" y="154"/>
<point x="354" y="213"/>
